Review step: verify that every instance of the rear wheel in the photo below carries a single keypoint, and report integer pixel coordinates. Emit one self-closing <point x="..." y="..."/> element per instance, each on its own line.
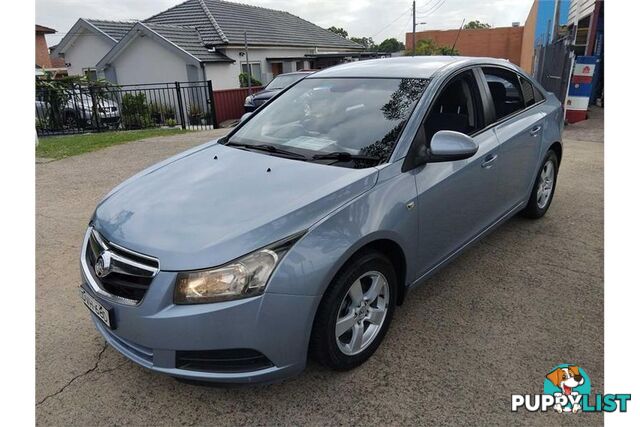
<point x="355" y="312"/>
<point x="544" y="188"/>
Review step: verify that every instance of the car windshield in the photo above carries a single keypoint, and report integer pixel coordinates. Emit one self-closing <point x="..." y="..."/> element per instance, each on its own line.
<point x="282" y="81"/>
<point x="357" y="116"/>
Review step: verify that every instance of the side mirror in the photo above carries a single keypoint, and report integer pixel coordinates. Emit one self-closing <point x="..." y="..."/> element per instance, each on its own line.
<point x="448" y="145"/>
<point x="244" y="117"/>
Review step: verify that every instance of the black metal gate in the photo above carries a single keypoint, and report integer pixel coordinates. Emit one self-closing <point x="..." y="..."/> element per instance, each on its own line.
<point x="66" y="108"/>
<point x="553" y="67"/>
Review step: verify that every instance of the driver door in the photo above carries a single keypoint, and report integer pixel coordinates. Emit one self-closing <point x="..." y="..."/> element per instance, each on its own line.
<point x="456" y="199"/>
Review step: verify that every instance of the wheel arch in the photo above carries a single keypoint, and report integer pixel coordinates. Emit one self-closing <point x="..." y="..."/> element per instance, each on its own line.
<point x="394" y="252"/>
<point x="556" y="147"/>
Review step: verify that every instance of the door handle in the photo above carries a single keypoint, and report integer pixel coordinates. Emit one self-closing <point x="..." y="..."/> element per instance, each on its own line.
<point x="488" y="161"/>
<point x="534" y="130"/>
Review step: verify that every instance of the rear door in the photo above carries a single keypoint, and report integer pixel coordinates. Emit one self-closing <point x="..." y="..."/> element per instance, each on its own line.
<point x="518" y="127"/>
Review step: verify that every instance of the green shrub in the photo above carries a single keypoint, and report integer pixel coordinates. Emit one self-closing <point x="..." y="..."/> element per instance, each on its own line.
<point x="171" y="122"/>
<point x="135" y="111"/>
<point x="161" y="113"/>
<point x="195" y="113"/>
<point x="244" y="79"/>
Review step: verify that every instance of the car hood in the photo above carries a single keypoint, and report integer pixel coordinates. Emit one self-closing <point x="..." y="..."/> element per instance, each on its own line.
<point x="211" y="205"/>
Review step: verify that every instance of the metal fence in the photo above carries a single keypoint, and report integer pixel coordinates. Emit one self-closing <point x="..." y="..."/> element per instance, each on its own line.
<point x="75" y="108"/>
<point x="552" y="67"/>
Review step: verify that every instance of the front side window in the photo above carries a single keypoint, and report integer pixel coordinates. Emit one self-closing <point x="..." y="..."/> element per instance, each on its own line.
<point x="505" y="91"/>
<point x="457" y="108"/>
<point x="358" y="116"/>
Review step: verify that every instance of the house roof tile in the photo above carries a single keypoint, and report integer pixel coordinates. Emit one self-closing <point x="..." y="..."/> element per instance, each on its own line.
<point x="114" y="29"/>
<point x="188" y="39"/>
<point x="222" y="22"/>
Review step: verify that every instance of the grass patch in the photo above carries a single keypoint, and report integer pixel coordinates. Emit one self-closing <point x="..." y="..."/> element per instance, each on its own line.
<point x="58" y="147"/>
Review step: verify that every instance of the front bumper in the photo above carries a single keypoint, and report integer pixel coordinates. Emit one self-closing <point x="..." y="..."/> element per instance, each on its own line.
<point x="152" y="332"/>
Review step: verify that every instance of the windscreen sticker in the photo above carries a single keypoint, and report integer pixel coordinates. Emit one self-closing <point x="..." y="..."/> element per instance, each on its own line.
<point x="309" y="143"/>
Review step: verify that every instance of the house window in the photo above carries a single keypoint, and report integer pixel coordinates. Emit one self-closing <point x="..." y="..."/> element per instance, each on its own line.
<point x="256" y="72"/>
<point x="90" y="74"/>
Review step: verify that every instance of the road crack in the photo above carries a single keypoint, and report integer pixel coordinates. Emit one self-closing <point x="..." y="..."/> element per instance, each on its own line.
<point x="72" y="380"/>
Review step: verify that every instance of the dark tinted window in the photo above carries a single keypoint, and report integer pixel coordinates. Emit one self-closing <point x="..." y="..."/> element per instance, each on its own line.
<point x="457" y="108"/>
<point x="324" y="115"/>
<point x="537" y="94"/>
<point x="505" y="91"/>
<point x="527" y="92"/>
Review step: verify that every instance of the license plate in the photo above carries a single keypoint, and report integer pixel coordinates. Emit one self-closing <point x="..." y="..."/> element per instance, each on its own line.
<point x="98" y="309"/>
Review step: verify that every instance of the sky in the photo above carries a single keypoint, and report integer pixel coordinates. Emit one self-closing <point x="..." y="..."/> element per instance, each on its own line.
<point x="379" y="19"/>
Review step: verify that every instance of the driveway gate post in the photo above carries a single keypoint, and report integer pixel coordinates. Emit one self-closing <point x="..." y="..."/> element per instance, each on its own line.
<point x="180" y="107"/>
<point x="212" y="105"/>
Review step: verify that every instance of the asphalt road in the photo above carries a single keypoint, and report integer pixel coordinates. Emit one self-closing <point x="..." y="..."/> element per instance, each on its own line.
<point x="489" y="325"/>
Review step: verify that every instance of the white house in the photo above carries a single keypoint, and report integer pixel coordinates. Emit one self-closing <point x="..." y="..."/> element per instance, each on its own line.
<point x="87" y="42"/>
<point x="204" y="40"/>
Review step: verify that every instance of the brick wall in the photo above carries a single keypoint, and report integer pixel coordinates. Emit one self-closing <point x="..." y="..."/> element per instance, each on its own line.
<point x="42" y="51"/>
<point x="502" y="42"/>
<point x="528" y="39"/>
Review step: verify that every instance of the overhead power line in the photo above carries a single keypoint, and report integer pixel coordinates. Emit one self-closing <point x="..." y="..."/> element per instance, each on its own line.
<point x="391" y="23"/>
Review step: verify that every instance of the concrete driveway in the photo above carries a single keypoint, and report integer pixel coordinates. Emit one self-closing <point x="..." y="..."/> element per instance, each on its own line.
<point x="489" y="325"/>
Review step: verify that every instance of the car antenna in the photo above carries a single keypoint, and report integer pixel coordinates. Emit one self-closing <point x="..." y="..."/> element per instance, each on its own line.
<point x="458" y="35"/>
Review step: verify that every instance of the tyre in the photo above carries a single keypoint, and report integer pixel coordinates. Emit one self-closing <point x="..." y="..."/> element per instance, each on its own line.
<point x="544" y="187"/>
<point x="355" y="312"/>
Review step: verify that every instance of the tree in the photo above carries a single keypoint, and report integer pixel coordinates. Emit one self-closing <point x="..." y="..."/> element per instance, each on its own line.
<point x="391" y="45"/>
<point x="425" y="47"/>
<point x="367" y="42"/>
<point x="429" y="47"/>
<point x="339" y="31"/>
<point x="474" y="25"/>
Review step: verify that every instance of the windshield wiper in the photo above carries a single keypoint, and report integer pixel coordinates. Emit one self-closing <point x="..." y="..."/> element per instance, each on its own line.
<point x="344" y="156"/>
<point x="269" y="148"/>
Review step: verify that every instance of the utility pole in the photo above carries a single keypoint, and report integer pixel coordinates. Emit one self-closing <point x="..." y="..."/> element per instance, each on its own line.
<point x="413" y="52"/>
<point x="246" y="55"/>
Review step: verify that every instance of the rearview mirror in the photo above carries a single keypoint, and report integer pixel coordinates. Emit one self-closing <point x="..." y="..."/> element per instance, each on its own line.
<point x="448" y="145"/>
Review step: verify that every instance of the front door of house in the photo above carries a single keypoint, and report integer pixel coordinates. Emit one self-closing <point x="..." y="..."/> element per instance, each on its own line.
<point x="276" y="68"/>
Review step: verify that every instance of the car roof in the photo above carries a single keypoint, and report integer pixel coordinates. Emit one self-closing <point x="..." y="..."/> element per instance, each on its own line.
<point x="404" y="67"/>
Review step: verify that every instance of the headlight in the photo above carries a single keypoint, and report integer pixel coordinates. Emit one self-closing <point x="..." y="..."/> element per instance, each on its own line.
<point x="248" y="100"/>
<point x="242" y="278"/>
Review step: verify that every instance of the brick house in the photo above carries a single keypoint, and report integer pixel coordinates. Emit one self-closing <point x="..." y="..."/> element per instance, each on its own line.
<point x="42" y="51"/>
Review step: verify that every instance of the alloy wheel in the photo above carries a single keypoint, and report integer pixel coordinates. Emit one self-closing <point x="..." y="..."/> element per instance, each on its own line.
<point x="362" y="313"/>
<point x="545" y="184"/>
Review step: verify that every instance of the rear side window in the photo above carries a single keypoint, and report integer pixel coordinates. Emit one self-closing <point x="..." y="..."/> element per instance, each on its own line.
<point x="506" y="94"/>
<point x="527" y="92"/>
<point x="530" y="94"/>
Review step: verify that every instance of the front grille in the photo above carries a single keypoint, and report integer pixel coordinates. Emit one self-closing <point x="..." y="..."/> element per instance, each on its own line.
<point x="129" y="274"/>
<point x="224" y="361"/>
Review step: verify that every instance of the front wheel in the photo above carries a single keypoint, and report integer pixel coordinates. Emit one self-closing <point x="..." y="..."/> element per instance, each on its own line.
<point x="544" y="188"/>
<point x="355" y="312"/>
